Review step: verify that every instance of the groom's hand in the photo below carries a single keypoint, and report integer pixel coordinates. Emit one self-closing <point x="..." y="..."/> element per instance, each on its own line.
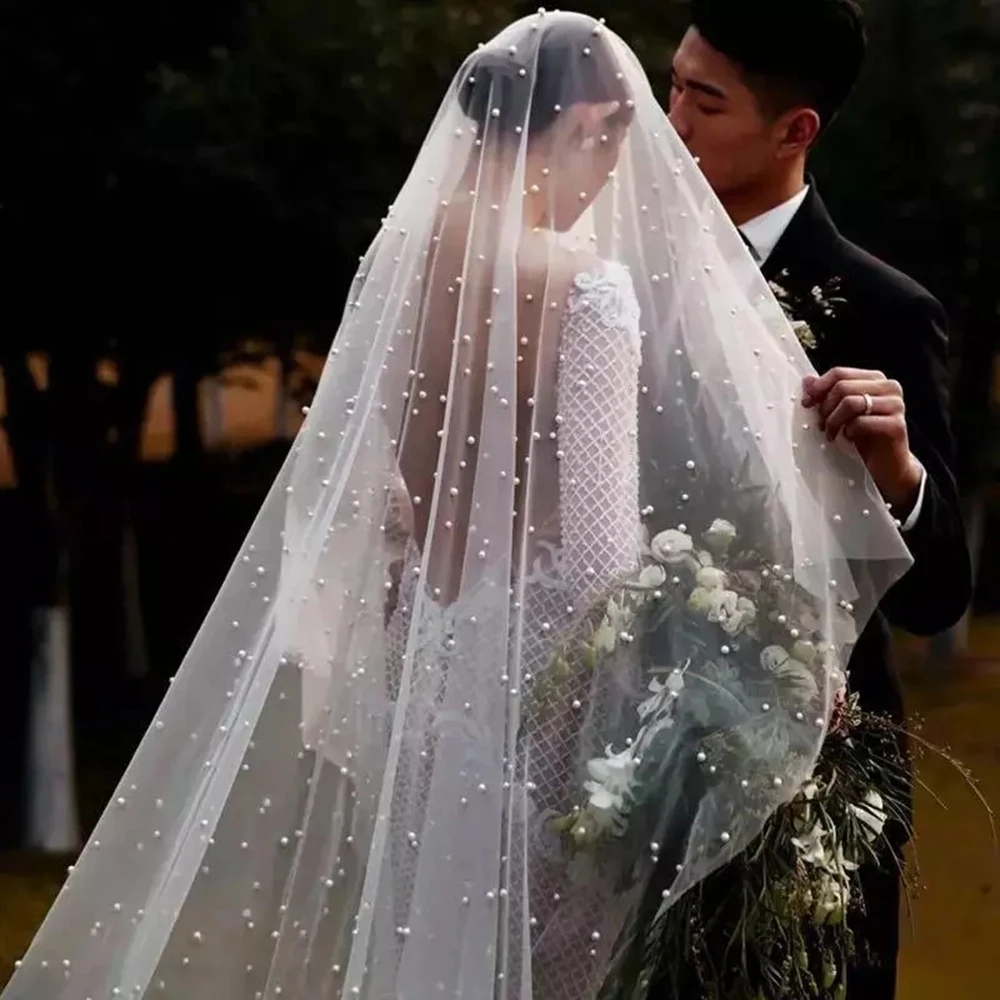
<point x="868" y="409"/>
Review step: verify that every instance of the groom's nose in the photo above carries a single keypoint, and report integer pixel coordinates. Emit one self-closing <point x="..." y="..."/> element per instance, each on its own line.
<point x="679" y="118"/>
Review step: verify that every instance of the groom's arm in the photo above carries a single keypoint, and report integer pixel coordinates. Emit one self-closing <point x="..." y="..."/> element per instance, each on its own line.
<point x="896" y="414"/>
<point x="936" y="591"/>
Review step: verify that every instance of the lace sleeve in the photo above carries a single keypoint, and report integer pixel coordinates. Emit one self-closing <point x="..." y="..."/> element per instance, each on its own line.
<point x="398" y="539"/>
<point x="598" y="430"/>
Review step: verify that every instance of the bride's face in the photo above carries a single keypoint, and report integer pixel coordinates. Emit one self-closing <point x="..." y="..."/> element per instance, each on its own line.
<point x="569" y="167"/>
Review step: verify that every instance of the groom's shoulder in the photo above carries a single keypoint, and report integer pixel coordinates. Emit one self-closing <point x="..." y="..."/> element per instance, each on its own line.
<point x="880" y="284"/>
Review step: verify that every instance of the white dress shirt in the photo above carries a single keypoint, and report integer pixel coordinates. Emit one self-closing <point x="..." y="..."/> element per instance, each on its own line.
<point x="763" y="233"/>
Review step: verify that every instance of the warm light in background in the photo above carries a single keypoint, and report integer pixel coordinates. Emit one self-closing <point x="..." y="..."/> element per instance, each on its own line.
<point x="240" y="408"/>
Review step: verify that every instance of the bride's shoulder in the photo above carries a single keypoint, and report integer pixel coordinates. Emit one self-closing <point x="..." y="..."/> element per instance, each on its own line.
<point x="602" y="293"/>
<point x="591" y="291"/>
<point x="605" y="281"/>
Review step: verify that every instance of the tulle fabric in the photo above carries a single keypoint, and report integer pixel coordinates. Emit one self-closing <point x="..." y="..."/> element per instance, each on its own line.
<point x="350" y="789"/>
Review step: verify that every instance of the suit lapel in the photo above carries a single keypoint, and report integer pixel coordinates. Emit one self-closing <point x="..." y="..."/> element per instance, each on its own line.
<point x="805" y="258"/>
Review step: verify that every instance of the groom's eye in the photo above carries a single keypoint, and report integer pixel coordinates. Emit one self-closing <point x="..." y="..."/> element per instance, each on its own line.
<point x="677" y="88"/>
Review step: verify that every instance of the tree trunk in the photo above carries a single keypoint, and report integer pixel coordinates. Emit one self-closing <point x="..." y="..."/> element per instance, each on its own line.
<point x="281" y="398"/>
<point x="189" y="444"/>
<point x="48" y="807"/>
<point x="214" y="414"/>
<point x="136" y="649"/>
<point x="53" y="818"/>
<point x="66" y="460"/>
<point x="134" y="386"/>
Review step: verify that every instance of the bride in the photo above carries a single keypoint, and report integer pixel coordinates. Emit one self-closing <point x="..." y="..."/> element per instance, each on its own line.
<point x="543" y="615"/>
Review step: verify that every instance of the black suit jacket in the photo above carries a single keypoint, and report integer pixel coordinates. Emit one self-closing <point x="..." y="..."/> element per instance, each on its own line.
<point x="891" y="324"/>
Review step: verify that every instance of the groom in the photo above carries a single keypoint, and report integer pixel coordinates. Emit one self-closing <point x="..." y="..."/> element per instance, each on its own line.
<point x="755" y="84"/>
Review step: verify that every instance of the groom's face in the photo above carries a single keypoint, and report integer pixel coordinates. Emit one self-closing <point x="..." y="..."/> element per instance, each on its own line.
<point x="719" y="118"/>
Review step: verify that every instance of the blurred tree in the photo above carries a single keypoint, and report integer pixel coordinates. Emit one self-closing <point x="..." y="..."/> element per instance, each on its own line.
<point x="911" y="169"/>
<point x="319" y="110"/>
<point x="78" y="245"/>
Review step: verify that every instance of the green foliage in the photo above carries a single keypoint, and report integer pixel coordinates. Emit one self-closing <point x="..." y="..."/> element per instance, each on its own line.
<point x="910" y="171"/>
<point x="909" y="163"/>
<point x="323" y="107"/>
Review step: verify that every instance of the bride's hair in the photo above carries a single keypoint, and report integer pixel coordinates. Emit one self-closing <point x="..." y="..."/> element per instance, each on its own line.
<point x="531" y="88"/>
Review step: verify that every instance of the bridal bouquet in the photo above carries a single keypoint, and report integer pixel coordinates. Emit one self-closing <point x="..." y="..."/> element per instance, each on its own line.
<point x="757" y="614"/>
<point x="772" y="922"/>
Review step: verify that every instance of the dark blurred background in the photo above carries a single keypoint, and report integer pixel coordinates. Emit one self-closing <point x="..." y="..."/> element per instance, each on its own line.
<point x="185" y="189"/>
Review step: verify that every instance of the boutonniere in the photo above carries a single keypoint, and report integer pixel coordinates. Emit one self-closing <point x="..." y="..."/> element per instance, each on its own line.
<point x="808" y="312"/>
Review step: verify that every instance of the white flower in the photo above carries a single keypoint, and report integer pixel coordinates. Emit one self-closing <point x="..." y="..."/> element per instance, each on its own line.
<point x="605" y="638"/>
<point x="720" y="535"/>
<point x="613" y="771"/>
<point x="603" y="805"/>
<point x="661" y="695"/>
<point x="773" y="658"/>
<point x="792" y="673"/>
<point x="830" y="896"/>
<point x="809" y="789"/>
<point x="710" y="578"/>
<point x="831" y="885"/>
<point x="611" y="778"/>
<point x="841" y="864"/>
<point x="730" y="612"/>
<point x="723" y="607"/>
<point x="619" y="615"/>
<point x="700" y="601"/>
<point x="652" y="703"/>
<point x="871" y="813"/>
<point x="652" y="577"/>
<point x="805" y="652"/>
<point x="617" y="619"/>
<point x="810" y="846"/>
<point x="743" y="616"/>
<point x="671" y="546"/>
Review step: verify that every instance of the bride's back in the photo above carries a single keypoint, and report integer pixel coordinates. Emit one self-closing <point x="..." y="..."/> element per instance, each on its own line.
<point x="451" y="389"/>
<point x="548" y="111"/>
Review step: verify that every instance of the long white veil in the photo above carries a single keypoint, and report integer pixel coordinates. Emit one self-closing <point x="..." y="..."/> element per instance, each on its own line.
<point x="528" y="637"/>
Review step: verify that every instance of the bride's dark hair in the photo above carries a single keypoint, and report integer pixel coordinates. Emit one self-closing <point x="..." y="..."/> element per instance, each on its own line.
<point x="571" y="63"/>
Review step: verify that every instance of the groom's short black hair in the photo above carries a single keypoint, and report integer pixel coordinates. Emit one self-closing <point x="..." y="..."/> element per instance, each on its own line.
<point x="791" y="51"/>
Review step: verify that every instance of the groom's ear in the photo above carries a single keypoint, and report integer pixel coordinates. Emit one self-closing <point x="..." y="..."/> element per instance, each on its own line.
<point x="797" y="130"/>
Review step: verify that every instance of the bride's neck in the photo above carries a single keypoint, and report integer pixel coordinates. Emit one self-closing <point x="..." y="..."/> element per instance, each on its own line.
<point x="470" y="189"/>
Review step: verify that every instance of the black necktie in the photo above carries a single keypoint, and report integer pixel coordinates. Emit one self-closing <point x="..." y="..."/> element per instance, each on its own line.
<point x="750" y="246"/>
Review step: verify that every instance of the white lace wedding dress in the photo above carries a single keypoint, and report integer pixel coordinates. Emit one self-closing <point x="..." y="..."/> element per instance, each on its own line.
<point x="593" y="540"/>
